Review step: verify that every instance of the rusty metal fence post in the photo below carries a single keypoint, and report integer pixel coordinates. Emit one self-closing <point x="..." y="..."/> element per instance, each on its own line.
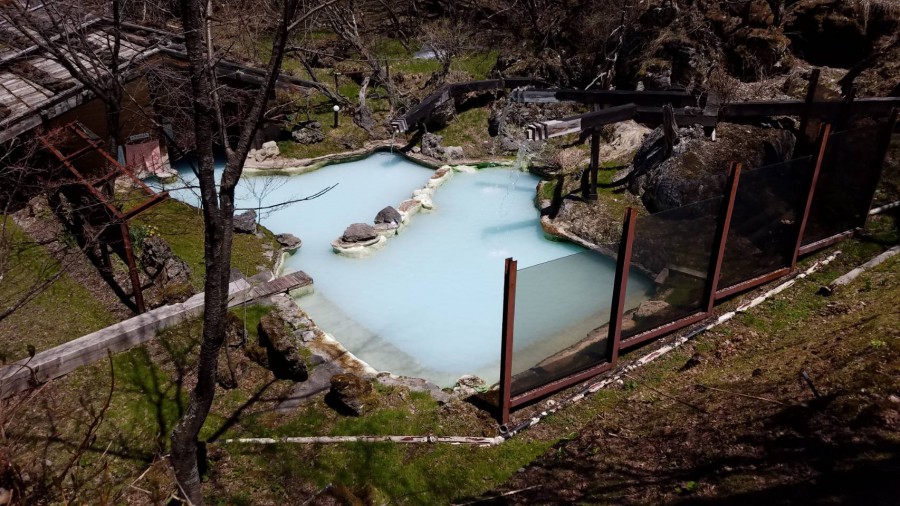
<point x="623" y="264"/>
<point x="509" y="318"/>
<point x="824" y="133"/>
<point x="721" y="237"/>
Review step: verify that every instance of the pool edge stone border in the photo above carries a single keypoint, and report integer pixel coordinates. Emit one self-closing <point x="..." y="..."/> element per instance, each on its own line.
<point x="421" y="200"/>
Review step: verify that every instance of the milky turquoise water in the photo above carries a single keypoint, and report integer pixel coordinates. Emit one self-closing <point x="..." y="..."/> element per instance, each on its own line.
<point x="429" y="304"/>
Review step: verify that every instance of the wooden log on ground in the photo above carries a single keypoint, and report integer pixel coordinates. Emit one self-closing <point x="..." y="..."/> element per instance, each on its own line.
<point x="846" y="279"/>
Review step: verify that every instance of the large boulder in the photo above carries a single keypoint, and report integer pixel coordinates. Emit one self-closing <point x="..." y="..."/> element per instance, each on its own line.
<point x="388" y="215"/>
<point x="431" y="146"/>
<point x="171" y="275"/>
<point x="453" y="153"/>
<point x="468" y="385"/>
<point x="308" y="132"/>
<point x="359" y="232"/>
<point x="155" y="252"/>
<point x="245" y="222"/>
<point x="268" y="151"/>
<point x="698" y="166"/>
<point x="351" y="395"/>
<point x="289" y="242"/>
<point x="649" y="308"/>
<point x="283" y="353"/>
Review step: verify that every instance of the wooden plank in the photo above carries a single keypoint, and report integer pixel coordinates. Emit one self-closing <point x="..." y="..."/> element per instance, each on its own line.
<point x="605" y="97"/>
<point x="67" y="357"/>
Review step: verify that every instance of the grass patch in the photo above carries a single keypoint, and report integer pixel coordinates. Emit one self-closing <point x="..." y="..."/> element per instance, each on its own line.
<point x="181" y="226"/>
<point x="467" y="130"/>
<point x="251" y="315"/>
<point x="64" y="311"/>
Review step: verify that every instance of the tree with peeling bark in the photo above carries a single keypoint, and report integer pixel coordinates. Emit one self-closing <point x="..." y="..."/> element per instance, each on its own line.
<point x="218" y="201"/>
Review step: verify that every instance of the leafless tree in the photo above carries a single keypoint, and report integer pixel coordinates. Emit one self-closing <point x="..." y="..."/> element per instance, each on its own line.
<point x="353" y="22"/>
<point x="448" y="39"/>
<point x="218" y="200"/>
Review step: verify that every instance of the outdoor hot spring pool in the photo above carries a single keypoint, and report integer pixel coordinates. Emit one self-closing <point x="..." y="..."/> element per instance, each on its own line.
<point x="429" y="303"/>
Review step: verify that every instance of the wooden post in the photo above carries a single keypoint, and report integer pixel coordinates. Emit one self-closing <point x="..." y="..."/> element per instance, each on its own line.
<point x="824" y="133"/>
<point x="620" y="286"/>
<point x="807" y="112"/>
<point x="595" y="164"/>
<point x="721" y="237"/>
<point x="883" y="150"/>
<point x="509" y="318"/>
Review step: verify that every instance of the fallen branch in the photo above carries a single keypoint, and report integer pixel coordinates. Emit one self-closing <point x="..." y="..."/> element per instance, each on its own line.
<point x="505" y="494"/>
<point x="773" y="401"/>
<point x="850" y="276"/>
<point x="676" y="399"/>
<point x="886" y="207"/>
<point x="456" y="440"/>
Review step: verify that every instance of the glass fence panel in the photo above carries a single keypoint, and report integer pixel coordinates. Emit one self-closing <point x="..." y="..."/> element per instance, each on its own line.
<point x="765" y="221"/>
<point x="672" y="248"/>
<point x="562" y="316"/>
<point x="888" y="190"/>
<point x="846" y="183"/>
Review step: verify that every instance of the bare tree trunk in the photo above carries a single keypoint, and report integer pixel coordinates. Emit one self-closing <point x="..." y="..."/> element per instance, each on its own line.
<point x="184" y="456"/>
<point x="218" y="217"/>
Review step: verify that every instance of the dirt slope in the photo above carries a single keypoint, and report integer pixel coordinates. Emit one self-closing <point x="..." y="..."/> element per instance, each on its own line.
<point x="728" y="419"/>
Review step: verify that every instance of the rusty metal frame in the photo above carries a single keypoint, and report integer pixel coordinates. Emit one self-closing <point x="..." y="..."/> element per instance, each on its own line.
<point x="672" y="326"/>
<point x="721" y="237"/>
<point x="824" y="134"/>
<point x="623" y="264"/>
<point x="595" y="166"/>
<point x="751" y="283"/>
<point x="826" y="242"/>
<point x="883" y="148"/>
<point x="560" y="384"/>
<point x="712" y="293"/>
<point x="620" y="286"/>
<point x="119" y="218"/>
<point x="509" y="318"/>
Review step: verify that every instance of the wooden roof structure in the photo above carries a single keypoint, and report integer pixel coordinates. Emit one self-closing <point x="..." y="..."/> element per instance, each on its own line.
<point x="35" y="88"/>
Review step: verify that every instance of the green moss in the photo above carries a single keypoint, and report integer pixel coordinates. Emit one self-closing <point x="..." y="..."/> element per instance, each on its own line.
<point x="251" y="315"/>
<point x="467" y="129"/>
<point x="181" y="226"/>
<point x="478" y="65"/>
<point x="63" y="311"/>
<point x="547" y="189"/>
